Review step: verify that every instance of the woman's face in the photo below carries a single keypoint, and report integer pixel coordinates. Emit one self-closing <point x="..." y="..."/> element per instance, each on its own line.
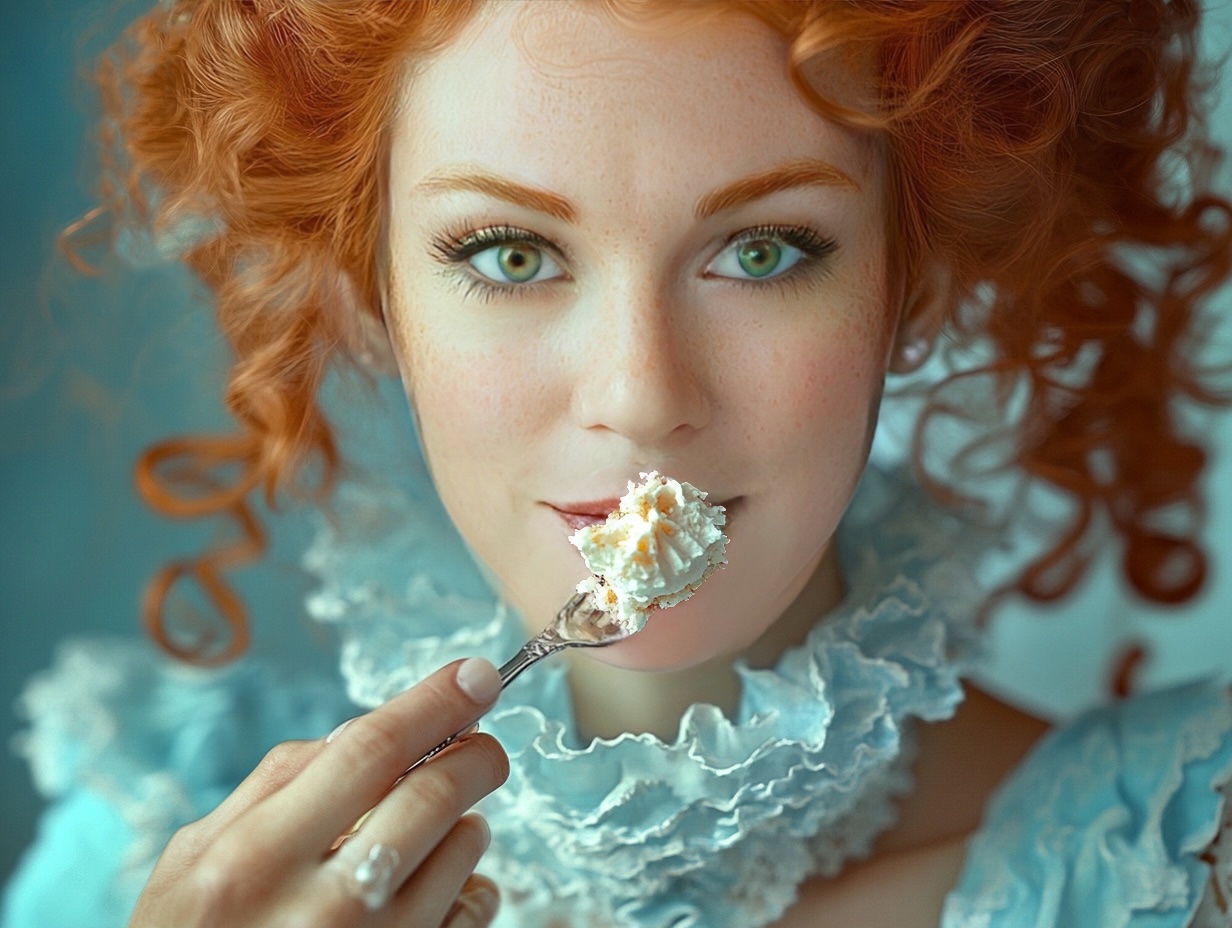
<point x="612" y="253"/>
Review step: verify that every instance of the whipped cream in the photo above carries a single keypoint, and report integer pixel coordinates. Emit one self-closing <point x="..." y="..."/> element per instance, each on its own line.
<point x="653" y="551"/>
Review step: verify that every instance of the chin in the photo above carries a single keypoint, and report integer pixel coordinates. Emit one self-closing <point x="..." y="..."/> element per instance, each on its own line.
<point x="634" y="654"/>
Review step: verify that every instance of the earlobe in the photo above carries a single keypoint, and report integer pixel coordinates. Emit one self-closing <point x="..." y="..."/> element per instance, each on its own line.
<point x="925" y="309"/>
<point x="369" y="343"/>
<point x="910" y="356"/>
<point x="360" y="327"/>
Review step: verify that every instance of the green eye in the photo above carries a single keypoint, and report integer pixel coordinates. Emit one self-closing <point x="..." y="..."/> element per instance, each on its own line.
<point x="515" y="263"/>
<point x="519" y="263"/>
<point x="762" y="255"/>
<point x="760" y="258"/>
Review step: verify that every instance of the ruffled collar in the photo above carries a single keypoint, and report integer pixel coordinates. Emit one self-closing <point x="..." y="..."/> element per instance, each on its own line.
<point x="719" y="827"/>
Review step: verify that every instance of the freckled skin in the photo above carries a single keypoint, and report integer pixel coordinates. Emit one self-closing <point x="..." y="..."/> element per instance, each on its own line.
<point x="639" y="359"/>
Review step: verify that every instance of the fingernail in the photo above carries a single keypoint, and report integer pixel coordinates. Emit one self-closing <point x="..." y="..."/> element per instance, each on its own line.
<point x="337" y="731"/>
<point x="479" y="680"/>
<point x="486" y="903"/>
<point x="475" y="908"/>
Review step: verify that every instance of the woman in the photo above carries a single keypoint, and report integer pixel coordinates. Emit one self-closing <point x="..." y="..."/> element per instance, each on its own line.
<point x="594" y="240"/>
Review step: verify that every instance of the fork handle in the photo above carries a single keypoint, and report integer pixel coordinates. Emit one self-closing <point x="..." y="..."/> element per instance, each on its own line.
<point x="431" y="754"/>
<point x="530" y="653"/>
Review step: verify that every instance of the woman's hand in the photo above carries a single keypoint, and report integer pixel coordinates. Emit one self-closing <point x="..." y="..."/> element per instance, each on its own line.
<point x="265" y="856"/>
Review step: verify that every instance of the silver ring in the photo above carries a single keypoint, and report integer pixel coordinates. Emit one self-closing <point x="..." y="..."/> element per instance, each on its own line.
<point x="371" y="879"/>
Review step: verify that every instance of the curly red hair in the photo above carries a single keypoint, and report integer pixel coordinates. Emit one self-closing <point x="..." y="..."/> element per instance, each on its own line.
<point x="1034" y="152"/>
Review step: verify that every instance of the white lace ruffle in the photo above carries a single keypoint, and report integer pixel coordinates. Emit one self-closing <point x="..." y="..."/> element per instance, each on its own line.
<point x="398" y="583"/>
<point x="162" y="742"/>
<point x="1107" y="820"/>
<point x="719" y="827"/>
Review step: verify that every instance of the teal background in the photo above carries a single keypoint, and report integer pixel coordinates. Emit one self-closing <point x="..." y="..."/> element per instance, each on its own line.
<point x="92" y="370"/>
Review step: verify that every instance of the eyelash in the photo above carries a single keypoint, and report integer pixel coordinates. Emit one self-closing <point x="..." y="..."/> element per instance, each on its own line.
<point x="812" y="267"/>
<point x="454" y="250"/>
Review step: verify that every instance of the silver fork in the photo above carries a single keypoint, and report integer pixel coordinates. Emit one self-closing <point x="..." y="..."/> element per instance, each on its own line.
<point x="579" y="624"/>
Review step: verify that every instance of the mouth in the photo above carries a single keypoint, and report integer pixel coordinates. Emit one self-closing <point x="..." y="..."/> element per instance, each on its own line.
<point x="582" y="515"/>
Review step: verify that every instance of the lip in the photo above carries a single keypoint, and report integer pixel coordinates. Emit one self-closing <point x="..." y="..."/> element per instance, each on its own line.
<point x="598" y="507"/>
<point x="581" y="515"/>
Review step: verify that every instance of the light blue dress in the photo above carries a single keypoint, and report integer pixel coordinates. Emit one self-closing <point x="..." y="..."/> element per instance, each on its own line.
<point x="1109" y="822"/>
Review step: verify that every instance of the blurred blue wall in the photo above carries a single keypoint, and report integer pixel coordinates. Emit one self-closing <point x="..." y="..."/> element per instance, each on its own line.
<point x="93" y="370"/>
<point x="90" y="371"/>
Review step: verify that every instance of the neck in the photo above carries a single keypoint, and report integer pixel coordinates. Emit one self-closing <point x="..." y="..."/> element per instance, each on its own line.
<point x="655" y="702"/>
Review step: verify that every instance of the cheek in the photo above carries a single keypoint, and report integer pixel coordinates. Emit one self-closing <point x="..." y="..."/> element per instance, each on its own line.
<point x="838" y="371"/>
<point x="464" y="399"/>
<point x="833" y="382"/>
<point x="812" y="393"/>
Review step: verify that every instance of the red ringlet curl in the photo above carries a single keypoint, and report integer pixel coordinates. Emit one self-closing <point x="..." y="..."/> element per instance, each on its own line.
<point x="1034" y="151"/>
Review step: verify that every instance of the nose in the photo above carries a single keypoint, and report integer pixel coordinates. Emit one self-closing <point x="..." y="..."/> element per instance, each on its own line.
<point x="645" y="379"/>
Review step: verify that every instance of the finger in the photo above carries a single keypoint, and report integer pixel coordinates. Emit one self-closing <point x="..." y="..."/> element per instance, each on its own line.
<point x="411" y="825"/>
<point x="430" y="895"/>
<point x="354" y="887"/>
<point x="281" y="764"/>
<point x="476" y="905"/>
<point x="421" y="810"/>
<point x="362" y="763"/>
<point x="454" y="745"/>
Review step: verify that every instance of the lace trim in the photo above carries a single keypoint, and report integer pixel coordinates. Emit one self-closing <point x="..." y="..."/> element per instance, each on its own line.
<point x="162" y="742"/>
<point x="1106" y="819"/>
<point x="719" y="827"/>
<point x="399" y="585"/>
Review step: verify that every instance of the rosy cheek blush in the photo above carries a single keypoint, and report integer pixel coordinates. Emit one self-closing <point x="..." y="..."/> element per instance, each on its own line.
<point x="653" y="552"/>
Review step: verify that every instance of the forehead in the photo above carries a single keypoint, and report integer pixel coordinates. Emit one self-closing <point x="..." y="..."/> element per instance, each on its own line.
<point x="529" y="73"/>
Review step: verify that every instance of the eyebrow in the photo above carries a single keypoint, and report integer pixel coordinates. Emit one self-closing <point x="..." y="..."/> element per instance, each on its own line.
<point x="800" y="172"/>
<point x="536" y="198"/>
